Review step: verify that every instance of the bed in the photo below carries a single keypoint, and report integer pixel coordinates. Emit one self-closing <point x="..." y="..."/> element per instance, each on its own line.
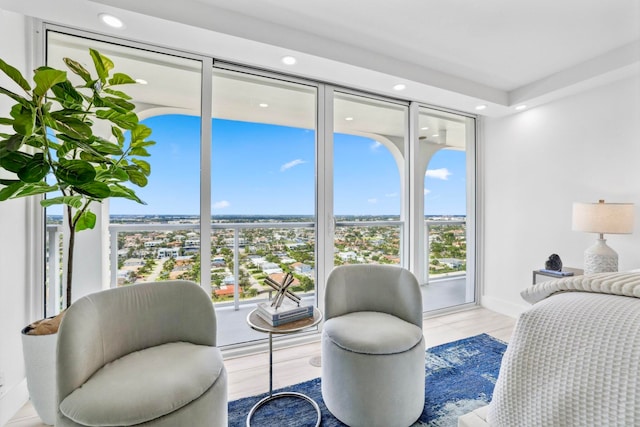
<point x="573" y="358"/>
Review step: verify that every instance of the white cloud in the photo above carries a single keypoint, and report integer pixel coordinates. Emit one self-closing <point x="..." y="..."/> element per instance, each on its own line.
<point x="291" y="164"/>
<point x="372" y="201"/>
<point x="391" y="195"/>
<point x="442" y="173"/>
<point x="426" y="191"/>
<point x="375" y="145"/>
<point x="221" y="204"/>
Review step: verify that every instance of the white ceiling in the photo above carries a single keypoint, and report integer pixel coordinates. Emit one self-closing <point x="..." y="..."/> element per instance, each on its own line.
<point x="503" y="44"/>
<point x="452" y="53"/>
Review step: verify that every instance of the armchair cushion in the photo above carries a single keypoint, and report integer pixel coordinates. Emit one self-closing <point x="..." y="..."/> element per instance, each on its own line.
<point x="370" y="332"/>
<point x="144" y="385"/>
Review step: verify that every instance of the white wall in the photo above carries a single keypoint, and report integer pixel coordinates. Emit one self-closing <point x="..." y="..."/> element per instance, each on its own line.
<point x="535" y="164"/>
<point x="15" y="302"/>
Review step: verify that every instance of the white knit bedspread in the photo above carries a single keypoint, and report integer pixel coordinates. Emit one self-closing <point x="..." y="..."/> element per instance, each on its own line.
<point x="625" y="284"/>
<point x="574" y="358"/>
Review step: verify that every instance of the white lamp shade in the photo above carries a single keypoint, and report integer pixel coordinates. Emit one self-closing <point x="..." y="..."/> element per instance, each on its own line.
<point x="605" y="218"/>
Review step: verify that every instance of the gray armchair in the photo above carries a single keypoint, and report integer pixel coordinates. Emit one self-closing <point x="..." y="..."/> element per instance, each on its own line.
<point x="141" y="355"/>
<point x="372" y="346"/>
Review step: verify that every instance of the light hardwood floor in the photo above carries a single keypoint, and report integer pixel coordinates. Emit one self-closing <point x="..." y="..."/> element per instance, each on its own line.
<point x="249" y="375"/>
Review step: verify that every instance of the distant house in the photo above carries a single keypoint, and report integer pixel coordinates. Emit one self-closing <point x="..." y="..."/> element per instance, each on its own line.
<point x="225" y="290"/>
<point x="287" y="260"/>
<point x="451" y="262"/>
<point x="218" y="261"/>
<point x="348" y="256"/>
<point x="301" y="268"/>
<point x="134" y="262"/>
<point x="168" y="253"/>
<point x="153" y="243"/>
<point x="270" y="268"/>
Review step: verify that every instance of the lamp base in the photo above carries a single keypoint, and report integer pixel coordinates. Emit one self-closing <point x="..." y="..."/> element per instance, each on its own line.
<point x="600" y="258"/>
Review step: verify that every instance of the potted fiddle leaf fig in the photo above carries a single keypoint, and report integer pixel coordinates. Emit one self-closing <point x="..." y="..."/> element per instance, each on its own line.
<point x="80" y="144"/>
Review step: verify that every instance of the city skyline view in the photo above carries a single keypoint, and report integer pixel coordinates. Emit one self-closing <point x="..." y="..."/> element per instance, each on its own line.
<point x="263" y="169"/>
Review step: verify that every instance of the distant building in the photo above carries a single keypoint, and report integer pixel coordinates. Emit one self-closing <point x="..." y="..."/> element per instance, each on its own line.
<point x="451" y="262"/>
<point x="218" y="261"/>
<point x="348" y="256"/>
<point x="153" y="243"/>
<point x="301" y="268"/>
<point x="168" y="253"/>
<point x="271" y="268"/>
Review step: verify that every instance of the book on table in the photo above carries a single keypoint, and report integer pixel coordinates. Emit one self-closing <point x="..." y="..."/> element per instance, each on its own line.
<point x="287" y="312"/>
<point x="557" y="273"/>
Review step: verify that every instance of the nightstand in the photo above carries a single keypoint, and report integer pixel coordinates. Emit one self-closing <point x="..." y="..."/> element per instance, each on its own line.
<point x="542" y="276"/>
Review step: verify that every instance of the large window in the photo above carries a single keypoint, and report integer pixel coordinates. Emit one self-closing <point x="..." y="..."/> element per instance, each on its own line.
<point x="368" y="182"/>
<point x="256" y="175"/>
<point x="444" y="162"/>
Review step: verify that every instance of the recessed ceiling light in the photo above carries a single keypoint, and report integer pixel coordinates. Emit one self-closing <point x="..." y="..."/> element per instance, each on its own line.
<point x="480" y="107"/>
<point x="348" y="118"/>
<point x="521" y="107"/>
<point x="400" y="86"/>
<point x="289" y="60"/>
<point x="111" y="20"/>
<point x="142" y="81"/>
<point x="434" y="135"/>
<point x="263" y="105"/>
<point x="425" y="128"/>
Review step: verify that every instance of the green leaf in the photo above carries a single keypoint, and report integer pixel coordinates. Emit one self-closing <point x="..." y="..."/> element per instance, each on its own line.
<point x="118" y="190"/>
<point x="78" y="69"/>
<point x="35" y="170"/>
<point x="14" y="161"/>
<point x="93" y="158"/>
<point x="95" y="189"/>
<point x="8" y="181"/>
<point x="137" y="177"/>
<point x="115" y="131"/>
<point x="121" y="79"/>
<point x="15" y="97"/>
<point x="117" y="93"/>
<point x="6" y="121"/>
<point x="10" y="190"/>
<point x="139" y="151"/>
<point x="36" y="188"/>
<point x="23" y="119"/>
<point x="13" y="143"/>
<point x="105" y="147"/>
<point x="14" y="75"/>
<point x="125" y="121"/>
<point x="102" y="63"/>
<point x="73" y="201"/>
<point x="68" y="96"/>
<point x="46" y="78"/>
<point x="139" y="133"/>
<point x="84" y="220"/>
<point x="145" y="167"/>
<point x="114" y="173"/>
<point x="75" y="172"/>
<point x="71" y="126"/>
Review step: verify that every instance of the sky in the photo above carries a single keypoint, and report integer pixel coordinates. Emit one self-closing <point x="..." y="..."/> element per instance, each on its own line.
<point x="261" y="169"/>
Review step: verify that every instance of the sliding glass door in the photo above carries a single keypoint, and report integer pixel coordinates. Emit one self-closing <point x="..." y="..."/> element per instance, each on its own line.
<point x="369" y="178"/>
<point x="263" y="157"/>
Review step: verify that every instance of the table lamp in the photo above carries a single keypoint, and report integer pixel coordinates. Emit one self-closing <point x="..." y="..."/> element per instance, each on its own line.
<point x="602" y="218"/>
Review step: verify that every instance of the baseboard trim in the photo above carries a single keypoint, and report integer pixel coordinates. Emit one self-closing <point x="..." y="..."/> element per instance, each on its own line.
<point x="12" y="401"/>
<point x="501" y="306"/>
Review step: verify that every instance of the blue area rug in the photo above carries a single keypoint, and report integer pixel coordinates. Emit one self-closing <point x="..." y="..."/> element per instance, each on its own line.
<point x="460" y="377"/>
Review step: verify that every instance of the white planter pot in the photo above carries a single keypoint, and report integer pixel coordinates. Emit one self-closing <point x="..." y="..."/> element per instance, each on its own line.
<point x="40" y="365"/>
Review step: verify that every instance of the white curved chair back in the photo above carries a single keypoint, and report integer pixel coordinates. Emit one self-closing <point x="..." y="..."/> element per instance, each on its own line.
<point x="372" y="287"/>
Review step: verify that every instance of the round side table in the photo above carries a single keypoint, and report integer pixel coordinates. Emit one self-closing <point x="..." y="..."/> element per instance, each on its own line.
<point x="259" y="324"/>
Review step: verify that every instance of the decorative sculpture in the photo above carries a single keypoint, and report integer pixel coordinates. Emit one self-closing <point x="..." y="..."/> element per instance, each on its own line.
<point x="282" y="290"/>
<point x="554" y="263"/>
